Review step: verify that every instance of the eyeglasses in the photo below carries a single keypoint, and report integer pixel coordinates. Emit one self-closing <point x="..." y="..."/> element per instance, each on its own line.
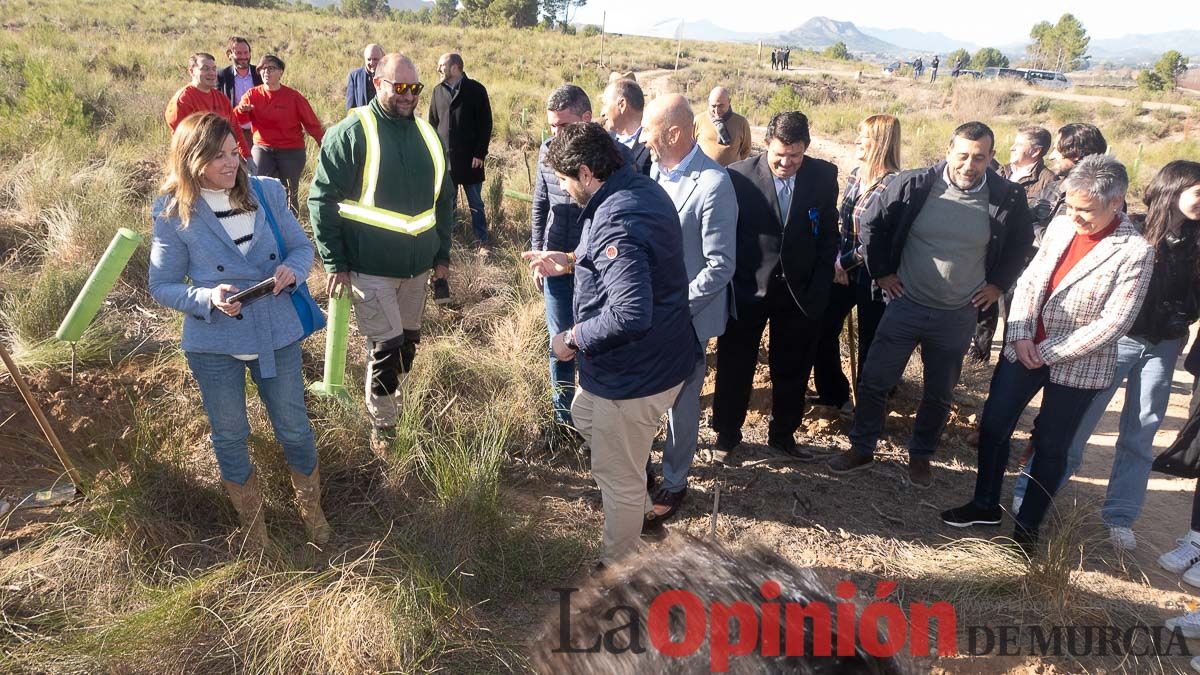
<point x="268" y="69"/>
<point x="405" y="87"/>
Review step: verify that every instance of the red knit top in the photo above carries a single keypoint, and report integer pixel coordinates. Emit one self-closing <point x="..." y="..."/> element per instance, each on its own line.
<point x="279" y="118"/>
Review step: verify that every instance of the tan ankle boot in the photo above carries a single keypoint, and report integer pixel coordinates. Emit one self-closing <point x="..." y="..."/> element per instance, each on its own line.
<point x="248" y="502"/>
<point x="308" y="497"/>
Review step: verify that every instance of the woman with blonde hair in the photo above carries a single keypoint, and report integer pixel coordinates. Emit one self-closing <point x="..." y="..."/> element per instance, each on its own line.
<point x="877" y="154"/>
<point x="213" y="237"/>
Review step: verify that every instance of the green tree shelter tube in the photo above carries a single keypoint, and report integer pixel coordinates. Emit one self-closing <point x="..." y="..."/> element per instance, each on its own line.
<point x="336" y="332"/>
<point x="101" y="281"/>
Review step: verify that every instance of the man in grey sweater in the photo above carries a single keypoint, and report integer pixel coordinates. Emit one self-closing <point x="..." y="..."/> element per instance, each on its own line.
<point x="942" y="243"/>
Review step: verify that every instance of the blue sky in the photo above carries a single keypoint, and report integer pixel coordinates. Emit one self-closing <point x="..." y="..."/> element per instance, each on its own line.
<point x="1007" y="23"/>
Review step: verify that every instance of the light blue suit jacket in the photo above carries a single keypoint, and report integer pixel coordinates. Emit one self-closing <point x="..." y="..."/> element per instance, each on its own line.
<point x="205" y="254"/>
<point x="708" y="213"/>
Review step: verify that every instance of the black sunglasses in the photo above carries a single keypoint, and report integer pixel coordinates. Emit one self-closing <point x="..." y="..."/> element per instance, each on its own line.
<point x="404" y="87"/>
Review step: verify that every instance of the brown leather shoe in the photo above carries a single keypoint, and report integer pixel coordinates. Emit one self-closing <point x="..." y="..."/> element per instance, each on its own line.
<point x="248" y="502"/>
<point x="848" y="461"/>
<point x="920" y="474"/>
<point x="308" y="498"/>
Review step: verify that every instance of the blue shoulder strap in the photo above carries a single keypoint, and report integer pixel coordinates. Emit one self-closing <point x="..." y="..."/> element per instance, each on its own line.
<point x="262" y="201"/>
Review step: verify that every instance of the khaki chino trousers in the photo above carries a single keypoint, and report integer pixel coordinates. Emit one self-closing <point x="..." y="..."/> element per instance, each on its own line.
<point x="620" y="433"/>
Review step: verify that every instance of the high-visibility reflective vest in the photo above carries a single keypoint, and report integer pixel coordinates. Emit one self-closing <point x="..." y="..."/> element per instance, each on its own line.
<point x="364" y="210"/>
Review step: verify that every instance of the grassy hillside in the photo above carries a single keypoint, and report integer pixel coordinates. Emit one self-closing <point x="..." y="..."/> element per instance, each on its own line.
<point x="444" y="560"/>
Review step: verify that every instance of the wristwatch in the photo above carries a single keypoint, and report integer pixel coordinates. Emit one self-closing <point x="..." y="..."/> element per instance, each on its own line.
<point x="569" y="339"/>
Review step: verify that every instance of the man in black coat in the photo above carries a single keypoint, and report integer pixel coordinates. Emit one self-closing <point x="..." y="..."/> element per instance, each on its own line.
<point x="462" y="114"/>
<point x="787" y="238"/>
<point x="239" y="77"/>
<point x="943" y="243"/>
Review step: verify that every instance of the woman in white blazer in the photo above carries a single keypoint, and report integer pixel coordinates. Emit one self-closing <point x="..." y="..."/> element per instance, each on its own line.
<point x="1080" y="294"/>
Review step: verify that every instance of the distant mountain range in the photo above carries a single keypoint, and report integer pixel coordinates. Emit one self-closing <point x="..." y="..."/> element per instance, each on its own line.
<point x="935" y="43"/>
<point x="886" y="43"/>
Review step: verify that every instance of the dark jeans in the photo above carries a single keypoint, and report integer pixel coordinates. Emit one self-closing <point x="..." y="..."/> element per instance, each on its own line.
<point x="558" y="292"/>
<point x="789" y="358"/>
<point x="943" y="335"/>
<point x="1013" y="386"/>
<point x="1196" y="508"/>
<point x="831" y="383"/>
<point x="478" y="215"/>
<point x="286" y="165"/>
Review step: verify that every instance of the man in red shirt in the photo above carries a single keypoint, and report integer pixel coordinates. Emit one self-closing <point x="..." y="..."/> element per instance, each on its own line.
<point x="202" y="95"/>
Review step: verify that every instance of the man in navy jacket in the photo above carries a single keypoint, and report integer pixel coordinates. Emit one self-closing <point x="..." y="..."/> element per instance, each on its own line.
<point x="632" y="334"/>
<point x="360" y="85"/>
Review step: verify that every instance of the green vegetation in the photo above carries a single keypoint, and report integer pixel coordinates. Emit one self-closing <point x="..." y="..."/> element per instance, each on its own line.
<point x="1165" y="74"/>
<point x="989" y="57"/>
<point x="838" y="51"/>
<point x="1060" y="46"/>
<point x="444" y="555"/>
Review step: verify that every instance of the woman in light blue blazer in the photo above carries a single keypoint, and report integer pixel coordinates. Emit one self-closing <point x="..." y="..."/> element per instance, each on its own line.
<point x="212" y="238"/>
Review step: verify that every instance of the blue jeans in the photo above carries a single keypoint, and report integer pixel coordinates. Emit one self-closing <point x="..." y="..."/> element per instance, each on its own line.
<point x="943" y="335"/>
<point x="478" y="215"/>
<point x="222" y="381"/>
<point x="1013" y="386"/>
<point x="1148" y="368"/>
<point x="559" y="317"/>
<point x="683" y="430"/>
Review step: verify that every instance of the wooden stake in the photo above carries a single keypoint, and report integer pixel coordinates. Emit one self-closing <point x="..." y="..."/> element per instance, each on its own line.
<point x="603" y="22"/>
<point x="44" y="423"/>
<point x="679" y="44"/>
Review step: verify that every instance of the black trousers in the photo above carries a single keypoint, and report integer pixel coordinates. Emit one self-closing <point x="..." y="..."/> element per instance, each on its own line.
<point x="831" y="382"/>
<point x="793" y="335"/>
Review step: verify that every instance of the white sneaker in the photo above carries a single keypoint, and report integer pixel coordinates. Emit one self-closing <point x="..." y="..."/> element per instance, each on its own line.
<point x="1192" y="576"/>
<point x="1188" y="624"/>
<point x="1184" y="556"/>
<point x="1196" y="663"/>
<point x="1122" y="538"/>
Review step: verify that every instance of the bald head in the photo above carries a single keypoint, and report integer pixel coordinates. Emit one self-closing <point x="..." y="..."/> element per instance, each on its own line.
<point x="395" y="69"/>
<point x="718" y="102"/>
<point x="372" y="53"/>
<point x="668" y="129"/>
<point x="450" y="67"/>
<point x="671" y="110"/>
<point x="397" y="65"/>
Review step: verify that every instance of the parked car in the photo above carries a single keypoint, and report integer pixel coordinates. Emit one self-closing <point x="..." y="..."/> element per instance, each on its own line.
<point x="974" y="74"/>
<point x="994" y="73"/>
<point x="1047" y="78"/>
<point x="892" y="68"/>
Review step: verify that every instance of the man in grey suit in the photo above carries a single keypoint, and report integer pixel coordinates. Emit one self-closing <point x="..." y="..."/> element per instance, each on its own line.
<point x="707" y="206"/>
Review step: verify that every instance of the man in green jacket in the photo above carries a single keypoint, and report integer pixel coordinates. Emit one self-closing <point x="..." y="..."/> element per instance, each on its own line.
<point x="381" y="205"/>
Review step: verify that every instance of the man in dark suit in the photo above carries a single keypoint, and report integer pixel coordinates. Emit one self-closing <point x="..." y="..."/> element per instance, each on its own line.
<point x="622" y="105"/>
<point x="786" y="240"/>
<point x="462" y="114"/>
<point x="239" y="77"/>
<point x="360" y="85"/>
